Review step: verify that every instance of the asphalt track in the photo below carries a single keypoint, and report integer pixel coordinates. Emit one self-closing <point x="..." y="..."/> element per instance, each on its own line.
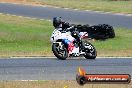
<point x="54" y="69"/>
<point x="74" y="16"/>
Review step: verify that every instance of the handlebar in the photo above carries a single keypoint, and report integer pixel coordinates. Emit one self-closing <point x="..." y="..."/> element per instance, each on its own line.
<point x="68" y="29"/>
<point x="71" y="28"/>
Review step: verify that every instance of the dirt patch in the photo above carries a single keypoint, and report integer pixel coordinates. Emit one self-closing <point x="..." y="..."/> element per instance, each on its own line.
<point x="117" y="53"/>
<point x="57" y="84"/>
<point x="25" y="54"/>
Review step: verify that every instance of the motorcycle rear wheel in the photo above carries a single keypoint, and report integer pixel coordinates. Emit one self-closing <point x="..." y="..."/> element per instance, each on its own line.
<point x="60" y="53"/>
<point x="90" y="53"/>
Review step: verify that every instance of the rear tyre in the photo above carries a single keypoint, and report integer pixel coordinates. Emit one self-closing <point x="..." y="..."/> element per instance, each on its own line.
<point x="60" y="52"/>
<point x="90" y="51"/>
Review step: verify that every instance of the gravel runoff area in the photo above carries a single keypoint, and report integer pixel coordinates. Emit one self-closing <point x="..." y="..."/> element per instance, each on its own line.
<point x="57" y="84"/>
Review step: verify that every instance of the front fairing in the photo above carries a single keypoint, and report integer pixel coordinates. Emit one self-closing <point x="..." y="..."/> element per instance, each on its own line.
<point x="57" y="34"/>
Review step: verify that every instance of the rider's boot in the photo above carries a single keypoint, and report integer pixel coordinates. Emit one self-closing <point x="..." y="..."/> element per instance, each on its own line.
<point x="82" y="46"/>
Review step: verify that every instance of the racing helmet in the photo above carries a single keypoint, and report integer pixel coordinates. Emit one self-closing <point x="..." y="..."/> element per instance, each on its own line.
<point x="57" y="21"/>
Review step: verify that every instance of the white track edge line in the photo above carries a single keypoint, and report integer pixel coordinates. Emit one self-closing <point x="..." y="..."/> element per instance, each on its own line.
<point x="55" y="57"/>
<point x="24" y="16"/>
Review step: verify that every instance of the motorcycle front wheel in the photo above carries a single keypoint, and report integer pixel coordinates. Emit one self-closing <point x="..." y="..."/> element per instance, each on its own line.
<point x="90" y="51"/>
<point x="59" y="51"/>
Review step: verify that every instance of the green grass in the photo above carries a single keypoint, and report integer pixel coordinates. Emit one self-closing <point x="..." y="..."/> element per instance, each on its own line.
<point x="97" y="5"/>
<point x="24" y="36"/>
<point x="121" y="45"/>
<point x="122" y="41"/>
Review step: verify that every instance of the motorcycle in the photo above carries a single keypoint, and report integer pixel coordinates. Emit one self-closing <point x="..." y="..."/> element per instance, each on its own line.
<point x="65" y="44"/>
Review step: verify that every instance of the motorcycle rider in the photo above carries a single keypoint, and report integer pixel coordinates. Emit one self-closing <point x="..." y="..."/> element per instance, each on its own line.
<point x="61" y="25"/>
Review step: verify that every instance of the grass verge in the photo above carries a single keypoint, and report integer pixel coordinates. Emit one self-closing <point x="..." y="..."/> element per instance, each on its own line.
<point x="96" y="5"/>
<point x="57" y="84"/>
<point x="119" y="46"/>
<point x="21" y="36"/>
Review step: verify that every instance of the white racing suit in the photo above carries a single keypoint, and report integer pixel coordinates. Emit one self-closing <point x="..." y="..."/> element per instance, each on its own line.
<point x="67" y="39"/>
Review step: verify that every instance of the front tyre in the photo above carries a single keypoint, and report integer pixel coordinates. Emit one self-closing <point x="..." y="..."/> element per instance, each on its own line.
<point x="90" y="51"/>
<point x="59" y="51"/>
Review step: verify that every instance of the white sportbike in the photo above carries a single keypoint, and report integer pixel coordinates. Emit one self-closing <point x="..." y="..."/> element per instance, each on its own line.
<point x="63" y="39"/>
